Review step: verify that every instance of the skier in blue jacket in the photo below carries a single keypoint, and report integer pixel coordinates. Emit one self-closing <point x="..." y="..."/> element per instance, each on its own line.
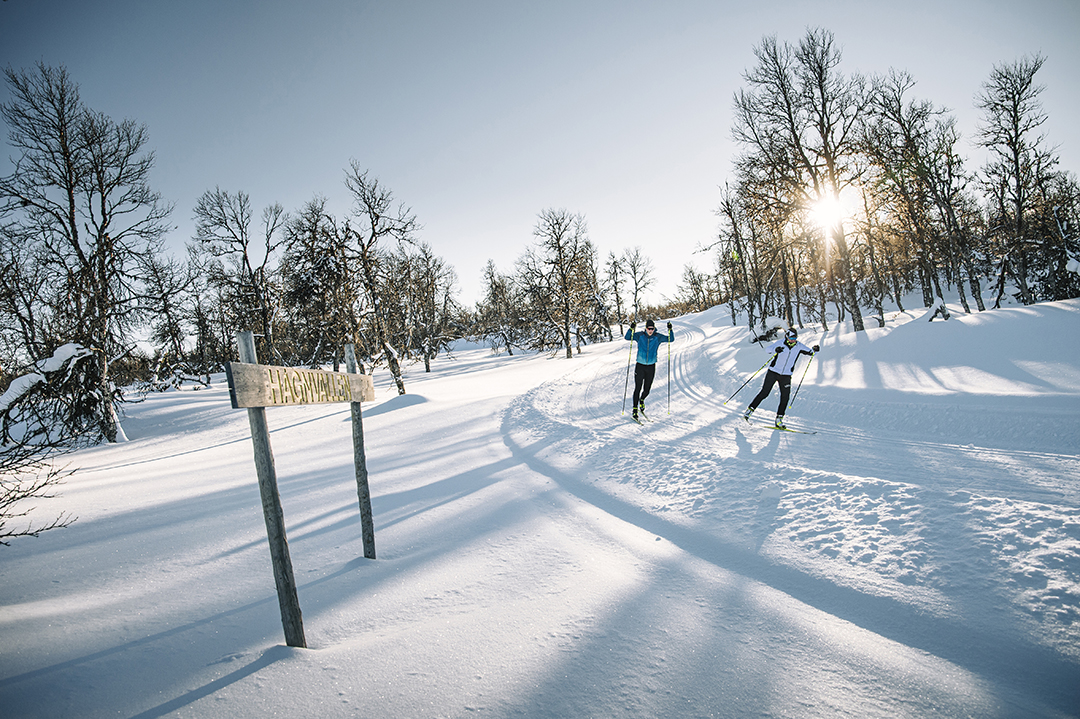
<point x="785" y="354"/>
<point x="648" y="350"/>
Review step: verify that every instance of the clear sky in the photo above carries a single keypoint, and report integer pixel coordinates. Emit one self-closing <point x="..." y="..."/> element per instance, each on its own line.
<point x="479" y="114"/>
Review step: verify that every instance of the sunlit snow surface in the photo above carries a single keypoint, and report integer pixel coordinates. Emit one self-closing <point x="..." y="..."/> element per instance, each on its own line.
<point x="542" y="556"/>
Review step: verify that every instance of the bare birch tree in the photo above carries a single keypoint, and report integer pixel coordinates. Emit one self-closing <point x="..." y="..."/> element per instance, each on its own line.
<point x="379" y="221"/>
<point x="559" y="278"/>
<point x="1020" y="161"/>
<point x="639" y="271"/>
<point x="614" y="279"/>
<point x="79" y="200"/>
<point x="798" y="122"/>
<point x="242" y="263"/>
<point x="321" y="286"/>
<point x="499" y="315"/>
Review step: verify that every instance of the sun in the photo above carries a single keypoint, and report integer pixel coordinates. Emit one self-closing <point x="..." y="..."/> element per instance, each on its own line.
<point x="827" y="212"/>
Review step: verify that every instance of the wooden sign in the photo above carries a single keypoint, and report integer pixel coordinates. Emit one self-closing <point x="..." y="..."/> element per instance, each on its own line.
<point x="255" y="385"/>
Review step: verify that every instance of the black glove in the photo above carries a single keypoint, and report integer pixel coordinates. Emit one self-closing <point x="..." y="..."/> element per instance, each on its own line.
<point x="633" y="326"/>
<point x="778" y="350"/>
<point x="816" y="348"/>
<point x="669" y="327"/>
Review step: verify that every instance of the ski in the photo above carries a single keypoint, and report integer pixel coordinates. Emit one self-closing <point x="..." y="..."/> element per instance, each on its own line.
<point x="789" y="429"/>
<point x="780" y="429"/>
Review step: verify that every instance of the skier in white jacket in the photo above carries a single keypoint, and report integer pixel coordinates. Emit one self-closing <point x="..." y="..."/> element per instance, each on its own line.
<point x="785" y="354"/>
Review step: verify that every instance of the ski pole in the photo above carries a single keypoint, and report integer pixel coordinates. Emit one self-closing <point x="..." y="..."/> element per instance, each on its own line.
<point x="626" y="385"/>
<point x="800" y="381"/>
<point x="748" y="380"/>
<point x="669" y="371"/>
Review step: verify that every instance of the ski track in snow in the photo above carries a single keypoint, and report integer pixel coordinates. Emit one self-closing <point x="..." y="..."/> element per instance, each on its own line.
<point x="871" y="511"/>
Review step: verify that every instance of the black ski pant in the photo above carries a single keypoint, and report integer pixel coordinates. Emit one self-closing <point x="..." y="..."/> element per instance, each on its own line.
<point x="643" y="377"/>
<point x="771" y="378"/>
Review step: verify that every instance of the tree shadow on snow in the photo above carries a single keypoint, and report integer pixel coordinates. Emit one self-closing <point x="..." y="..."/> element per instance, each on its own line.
<point x="267" y="658"/>
<point x="402" y="400"/>
<point x="1003" y="659"/>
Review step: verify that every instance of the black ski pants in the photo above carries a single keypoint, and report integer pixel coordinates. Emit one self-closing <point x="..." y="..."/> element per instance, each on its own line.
<point x="771" y="378"/>
<point x="643" y="377"/>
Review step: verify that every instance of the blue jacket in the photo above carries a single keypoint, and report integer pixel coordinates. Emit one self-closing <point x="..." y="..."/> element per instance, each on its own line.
<point x="648" y="348"/>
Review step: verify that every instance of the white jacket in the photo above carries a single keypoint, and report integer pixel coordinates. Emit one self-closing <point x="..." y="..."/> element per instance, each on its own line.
<point x="784" y="362"/>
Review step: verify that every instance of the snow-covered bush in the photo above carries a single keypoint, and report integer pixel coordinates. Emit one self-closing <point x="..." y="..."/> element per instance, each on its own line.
<point x="768" y="329"/>
<point x="47" y="406"/>
<point x="34" y="408"/>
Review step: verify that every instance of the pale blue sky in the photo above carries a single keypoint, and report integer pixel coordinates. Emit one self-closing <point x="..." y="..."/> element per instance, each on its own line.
<point x="480" y="114"/>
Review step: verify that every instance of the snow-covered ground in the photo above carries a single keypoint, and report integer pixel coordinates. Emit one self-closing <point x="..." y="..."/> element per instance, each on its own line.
<point x="542" y="556"/>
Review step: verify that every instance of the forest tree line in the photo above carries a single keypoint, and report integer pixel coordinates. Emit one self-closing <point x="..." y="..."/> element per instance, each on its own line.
<point x="89" y="289"/>
<point x="87" y="283"/>
<point x="92" y="304"/>
<point x="854" y="191"/>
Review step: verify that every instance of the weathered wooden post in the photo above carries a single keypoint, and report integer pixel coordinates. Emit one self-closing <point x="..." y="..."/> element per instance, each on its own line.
<point x="288" y="601"/>
<point x="256" y="387"/>
<point x="367" y="525"/>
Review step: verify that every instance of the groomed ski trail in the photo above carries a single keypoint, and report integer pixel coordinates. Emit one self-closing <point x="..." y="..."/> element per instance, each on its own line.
<point x="702" y="474"/>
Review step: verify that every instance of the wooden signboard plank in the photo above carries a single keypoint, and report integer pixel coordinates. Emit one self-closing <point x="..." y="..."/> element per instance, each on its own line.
<point x="254" y="385"/>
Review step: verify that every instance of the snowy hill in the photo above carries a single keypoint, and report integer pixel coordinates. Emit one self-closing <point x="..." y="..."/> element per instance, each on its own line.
<point x="542" y="556"/>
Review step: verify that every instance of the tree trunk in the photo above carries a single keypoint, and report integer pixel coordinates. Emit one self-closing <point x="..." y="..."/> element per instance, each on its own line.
<point x="976" y="287"/>
<point x="878" y="281"/>
<point x="789" y="315"/>
<point x="395" y="367"/>
<point x="798" y="301"/>
<point x="847" y="282"/>
<point x="960" y="289"/>
<point x="1001" y="283"/>
<point x="924" y="278"/>
<point x="941" y="298"/>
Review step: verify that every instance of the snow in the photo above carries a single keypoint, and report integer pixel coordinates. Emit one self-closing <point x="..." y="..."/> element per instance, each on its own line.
<point x="24" y="383"/>
<point x="61" y="356"/>
<point x="18" y="387"/>
<point x="542" y="556"/>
